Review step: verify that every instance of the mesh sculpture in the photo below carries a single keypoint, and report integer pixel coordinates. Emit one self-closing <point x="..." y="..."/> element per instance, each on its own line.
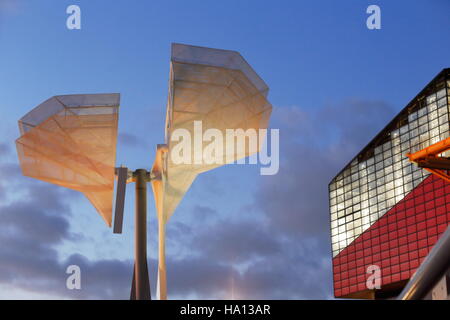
<point x="220" y="89"/>
<point x="71" y="141"/>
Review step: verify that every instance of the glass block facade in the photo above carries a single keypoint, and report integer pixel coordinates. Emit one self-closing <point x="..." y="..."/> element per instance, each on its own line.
<point x="366" y="196"/>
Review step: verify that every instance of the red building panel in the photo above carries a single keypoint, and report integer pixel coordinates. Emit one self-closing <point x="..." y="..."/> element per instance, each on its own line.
<point x="398" y="242"/>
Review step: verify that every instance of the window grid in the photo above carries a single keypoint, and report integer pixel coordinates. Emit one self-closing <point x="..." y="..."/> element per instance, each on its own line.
<point x="399" y="241"/>
<point x="366" y="190"/>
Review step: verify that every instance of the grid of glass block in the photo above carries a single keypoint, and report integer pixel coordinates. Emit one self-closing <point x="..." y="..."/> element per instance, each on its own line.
<point x="398" y="242"/>
<point x="366" y="190"/>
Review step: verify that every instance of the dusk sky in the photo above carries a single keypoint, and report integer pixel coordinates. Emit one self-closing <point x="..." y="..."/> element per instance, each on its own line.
<point x="333" y="85"/>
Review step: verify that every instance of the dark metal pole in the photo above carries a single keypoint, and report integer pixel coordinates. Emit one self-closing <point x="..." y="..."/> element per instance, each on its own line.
<point x="432" y="269"/>
<point x="142" y="285"/>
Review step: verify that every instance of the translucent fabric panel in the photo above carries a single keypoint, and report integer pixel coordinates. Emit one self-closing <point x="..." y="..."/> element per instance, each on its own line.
<point x="227" y="59"/>
<point x="71" y="141"/>
<point x="220" y="89"/>
<point x="39" y="114"/>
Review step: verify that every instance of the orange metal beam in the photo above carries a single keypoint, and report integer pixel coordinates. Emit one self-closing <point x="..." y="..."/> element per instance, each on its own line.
<point x="439" y="173"/>
<point x="432" y="152"/>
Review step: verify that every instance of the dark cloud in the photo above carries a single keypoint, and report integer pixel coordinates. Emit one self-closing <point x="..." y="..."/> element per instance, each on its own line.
<point x="29" y="259"/>
<point x="34" y="191"/>
<point x="302" y="273"/>
<point x="29" y="221"/>
<point x="10" y="169"/>
<point x="34" y="223"/>
<point x="102" y="279"/>
<point x="313" y="148"/>
<point x="211" y="184"/>
<point x="354" y="123"/>
<point x="4" y="149"/>
<point x="283" y="254"/>
<point x="8" y="7"/>
<point x="129" y="140"/>
<point x="203" y="212"/>
<point x="236" y="241"/>
<point x="248" y="261"/>
<point x="197" y="277"/>
<point x="30" y="233"/>
<point x="51" y="198"/>
<point x="178" y="232"/>
<point x="177" y="227"/>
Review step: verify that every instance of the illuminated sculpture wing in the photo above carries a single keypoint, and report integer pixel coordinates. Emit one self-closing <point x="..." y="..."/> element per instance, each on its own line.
<point x="220" y="89"/>
<point x="71" y="141"/>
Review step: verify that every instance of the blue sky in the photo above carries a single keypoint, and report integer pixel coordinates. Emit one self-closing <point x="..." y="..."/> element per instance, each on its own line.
<point x="333" y="84"/>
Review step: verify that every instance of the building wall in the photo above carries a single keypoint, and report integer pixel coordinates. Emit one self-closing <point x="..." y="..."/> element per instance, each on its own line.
<point x="398" y="242"/>
<point x="385" y="210"/>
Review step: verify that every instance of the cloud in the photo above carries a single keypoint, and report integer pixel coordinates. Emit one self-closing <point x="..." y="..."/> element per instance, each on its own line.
<point x="29" y="235"/>
<point x="31" y="231"/>
<point x="236" y="241"/>
<point x="8" y="5"/>
<point x="27" y="221"/>
<point x="102" y="279"/>
<point x="284" y="253"/>
<point x="129" y="140"/>
<point x="203" y="212"/>
<point x="313" y="148"/>
<point x="9" y="8"/>
<point x="300" y="272"/>
<point x="197" y="278"/>
<point x="247" y="260"/>
<point x="4" y="149"/>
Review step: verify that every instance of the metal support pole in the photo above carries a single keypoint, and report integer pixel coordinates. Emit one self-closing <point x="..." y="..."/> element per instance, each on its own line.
<point x="162" y="279"/>
<point x="141" y="279"/>
<point x="431" y="270"/>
